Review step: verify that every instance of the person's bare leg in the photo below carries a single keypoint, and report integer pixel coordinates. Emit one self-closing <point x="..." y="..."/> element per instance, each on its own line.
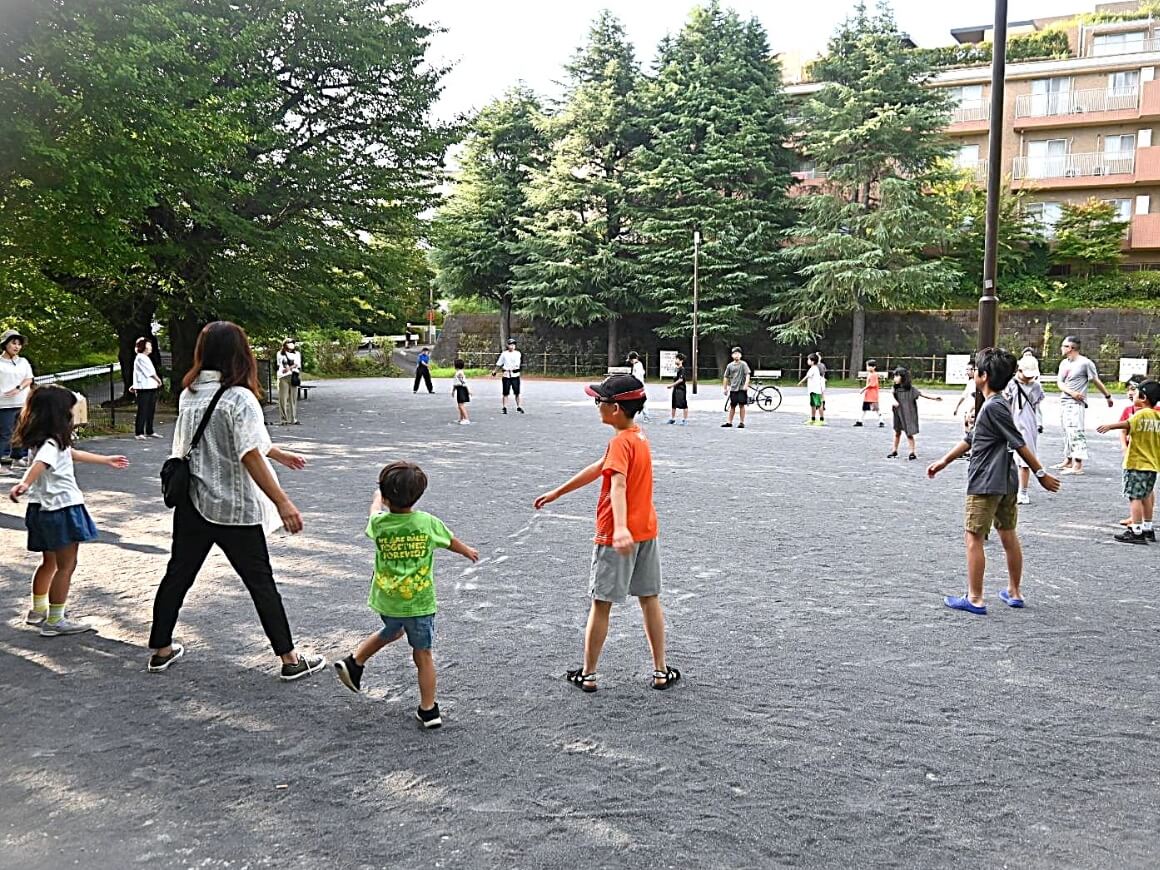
<point x="1077" y="464"/>
<point x="910" y="443"/>
<point x="42" y="577"/>
<point x="425" y="664"/>
<point x="653" y="616"/>
<point x="976" y="568"/>
<point x="686" y="411"/>
<point x="595" y="633"/>
<point x="1024" y="478"/>
<point x="741" y="411"/>
<point x="1149" y="506"/>
<point x="66" y="562"/>
<point x="1136" y="506"/>
<point x="729" y="419"/>
<point x="1014" y="552"/>
<point x="372" y="645"/>
<point x="897" y="440"/>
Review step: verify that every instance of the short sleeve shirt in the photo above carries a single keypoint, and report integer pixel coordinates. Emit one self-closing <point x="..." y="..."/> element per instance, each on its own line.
<point x="736" y="373"/>
<point x="872" y="387"/>
<point x="1075" y="375"/>
<point x="12" y="373"/>
<point x="815" y="380"/>
<point x="222" y="490"/>
<point x="404" y="579"/>
<point x="628" y="453"/>
<point x="1144" y="447"/>
<point x="510" y="361"/>
<point x="992" y="469"/>
<point x="144" y="373"/>
<point x="57" y="487"/>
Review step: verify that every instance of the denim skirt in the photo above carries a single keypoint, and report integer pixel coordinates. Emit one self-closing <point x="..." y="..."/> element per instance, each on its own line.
<point x="52" y="530"/>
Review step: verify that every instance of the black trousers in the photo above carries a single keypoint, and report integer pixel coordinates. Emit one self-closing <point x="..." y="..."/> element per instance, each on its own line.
<point x="245" y="547"/>
<point x="146" y="408"/>
<point x="422" y="373"/>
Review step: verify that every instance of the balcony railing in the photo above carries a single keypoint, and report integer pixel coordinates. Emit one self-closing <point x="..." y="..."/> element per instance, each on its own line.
<point x="972" y="110"/>
<point x="1076" y="102"/>
<point x="810" y="174"/>
<point x="1132" y="46"/>
<point x="978" y="169"/>
<point x="1074" y="165"/>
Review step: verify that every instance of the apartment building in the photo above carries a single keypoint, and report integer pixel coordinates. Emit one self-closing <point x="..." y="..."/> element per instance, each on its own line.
<point x="1073" y="128"/>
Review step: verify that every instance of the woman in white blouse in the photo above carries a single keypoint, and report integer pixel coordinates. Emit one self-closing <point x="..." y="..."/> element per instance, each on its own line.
<point x="146" y="385"/>
<point x="289" y="374"/>
<point x="235" y="499"/>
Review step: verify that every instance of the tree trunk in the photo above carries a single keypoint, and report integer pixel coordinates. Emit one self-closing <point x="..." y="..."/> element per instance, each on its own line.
<point x="183" y="331"/>
<point x="613" y="338"/>
<point x="858" y="340"/>
<point x="505" y="319"/>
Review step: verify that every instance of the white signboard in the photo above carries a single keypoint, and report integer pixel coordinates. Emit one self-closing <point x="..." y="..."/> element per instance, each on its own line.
<point x="957" y="367"/>
<point x="668" y="363"/>
<point x="1132" y="365"/>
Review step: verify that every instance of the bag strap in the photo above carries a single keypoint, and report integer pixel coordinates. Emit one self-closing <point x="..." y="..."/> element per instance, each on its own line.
<point x="205" y="421"/>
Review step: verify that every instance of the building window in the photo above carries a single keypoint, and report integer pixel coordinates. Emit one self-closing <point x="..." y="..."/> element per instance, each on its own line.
<point x="1123" y="208"/>
<point x="1051" y="96"/>
<point x="1118" y="43"/>
<point x="1047" y="158"/>
<point x="968" y="157"/>
<point x="966" y="95"/>
<point x="1125" y="83"/>
<point x="1045" y="214"/>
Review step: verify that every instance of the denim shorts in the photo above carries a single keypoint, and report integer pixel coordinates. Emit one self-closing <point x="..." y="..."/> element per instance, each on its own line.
<point x="55" y="530"/>
<point x="420" y="630"/>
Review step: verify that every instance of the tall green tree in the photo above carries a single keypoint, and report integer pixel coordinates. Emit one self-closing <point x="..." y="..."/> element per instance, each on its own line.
<point x="226" y="158"/>
<point x="479" y="231"/>
<point x="875" y="121"/>
<point x="1021" y="251"/>
<point x="580" y="248"/>
<point x="1088" y="236"/>
<point x="716" y="162"/>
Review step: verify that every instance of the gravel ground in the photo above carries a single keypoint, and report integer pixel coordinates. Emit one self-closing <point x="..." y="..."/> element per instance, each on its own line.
<point x="833" y="713"/>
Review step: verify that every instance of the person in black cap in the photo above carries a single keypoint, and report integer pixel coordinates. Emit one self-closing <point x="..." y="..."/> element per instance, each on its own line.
<point x="15" y="383"/>
<point x="625" y="559"/>
<point x="509" y="363"/>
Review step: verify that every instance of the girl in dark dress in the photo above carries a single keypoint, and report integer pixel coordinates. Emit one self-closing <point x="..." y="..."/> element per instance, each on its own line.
<point x="906" y="397"/>
<point x="680" y="400"/>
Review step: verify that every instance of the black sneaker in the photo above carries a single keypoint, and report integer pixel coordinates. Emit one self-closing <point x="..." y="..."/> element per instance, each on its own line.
<point x="429" y="718"/>
<point x="1150" y="534"/>
<point x="1130" y="537"/>
<point x="304" y="667"/>
<point x="350" y="673"/>
<point x="157" y="663"/>
<point x="505" y="410"/>
<point x="726" y="425"/>
<point x="740" y="425"/>
<point x="519" y="409"/>
<point x="858" y="424"/>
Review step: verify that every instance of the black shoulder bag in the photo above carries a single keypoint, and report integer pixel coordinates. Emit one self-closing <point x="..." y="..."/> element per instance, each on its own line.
<point x="176" y="473"/>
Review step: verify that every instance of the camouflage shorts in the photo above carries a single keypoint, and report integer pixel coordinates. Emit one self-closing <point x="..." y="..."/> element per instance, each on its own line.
<point x="1138" y="484"/>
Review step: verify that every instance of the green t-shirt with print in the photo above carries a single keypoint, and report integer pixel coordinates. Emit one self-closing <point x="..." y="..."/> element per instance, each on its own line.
<point x="405" y="544"/>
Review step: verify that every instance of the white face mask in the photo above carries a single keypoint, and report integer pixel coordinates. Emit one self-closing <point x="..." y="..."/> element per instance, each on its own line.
<point x="290" y="347"/>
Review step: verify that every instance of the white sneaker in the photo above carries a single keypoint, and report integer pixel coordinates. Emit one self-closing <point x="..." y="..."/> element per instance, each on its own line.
<point x="64" y="626"/>
<point x="1023" y="498"/>
<point x="156" y="435"/>
<point x="139" y="437"/>
<point x="464" y="422"/>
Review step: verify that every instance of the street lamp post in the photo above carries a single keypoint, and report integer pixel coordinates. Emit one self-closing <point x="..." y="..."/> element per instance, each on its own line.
<point x="696" y="299"/>
<point x="989" y="300"/>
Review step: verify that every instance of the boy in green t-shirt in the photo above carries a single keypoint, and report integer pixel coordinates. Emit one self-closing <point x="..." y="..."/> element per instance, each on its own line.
<point x="403" y="588"/>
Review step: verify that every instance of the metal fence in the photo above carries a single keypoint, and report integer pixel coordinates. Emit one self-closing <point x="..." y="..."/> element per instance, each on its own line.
<point x="102" y="388"/>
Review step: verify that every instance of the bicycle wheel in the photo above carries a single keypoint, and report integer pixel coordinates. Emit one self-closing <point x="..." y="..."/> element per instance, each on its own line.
<point x="769" y="398"/>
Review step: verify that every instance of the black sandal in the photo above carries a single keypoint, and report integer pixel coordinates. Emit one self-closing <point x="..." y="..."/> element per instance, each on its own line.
<point x="893" y="455"/>
<point x="587" y="682"/>
<point x="669" y="675"/>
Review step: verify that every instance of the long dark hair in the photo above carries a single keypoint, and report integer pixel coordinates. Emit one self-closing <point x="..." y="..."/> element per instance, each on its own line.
<point x="47" y="415"/>
<point x="224" y="347"/>
<point x="903" y="373"/>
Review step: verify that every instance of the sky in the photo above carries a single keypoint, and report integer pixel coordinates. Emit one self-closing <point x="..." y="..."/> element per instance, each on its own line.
<point x="494" y="44"/>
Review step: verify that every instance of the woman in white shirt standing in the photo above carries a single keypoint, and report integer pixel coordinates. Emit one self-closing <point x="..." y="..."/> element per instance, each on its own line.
<point x="235" y="499"/>
<point x="289" y="379"/>
<point x="146" y="385"/>
<point x="15" y="381"/>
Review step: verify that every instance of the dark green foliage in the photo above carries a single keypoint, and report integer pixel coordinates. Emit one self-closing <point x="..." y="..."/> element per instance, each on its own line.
<point x="1044" y="45"/>
<point x="1088" y="236"/>
<point x="1022" y="251"/>
<point x="716" y="161"/>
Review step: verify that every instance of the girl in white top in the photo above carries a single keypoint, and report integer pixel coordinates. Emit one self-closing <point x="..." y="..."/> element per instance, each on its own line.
<point x="289" y="364"/>
<point x="235" y="499"/>
<point x="56" y="517"/>
<point x="462" y="393"/>
<point x="146" y="385"/>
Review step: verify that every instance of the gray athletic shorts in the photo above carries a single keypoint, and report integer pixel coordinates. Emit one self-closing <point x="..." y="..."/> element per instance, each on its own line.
<point x="615" y="577"/>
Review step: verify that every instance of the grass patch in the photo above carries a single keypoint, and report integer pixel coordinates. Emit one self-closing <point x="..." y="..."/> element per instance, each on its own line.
<point x="449" y="372"/>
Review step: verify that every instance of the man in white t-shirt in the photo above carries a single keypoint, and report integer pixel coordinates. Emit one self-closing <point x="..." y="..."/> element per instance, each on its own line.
<point x="1076" y="372"/>
<point x="509" y="363"/>
<point x="638" y="373"/>
<point x="15" y="384"/>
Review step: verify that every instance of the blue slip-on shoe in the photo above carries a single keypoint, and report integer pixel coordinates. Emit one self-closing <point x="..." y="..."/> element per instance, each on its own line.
<point x="1009" y="601"/>
<point x="961" y="602"/>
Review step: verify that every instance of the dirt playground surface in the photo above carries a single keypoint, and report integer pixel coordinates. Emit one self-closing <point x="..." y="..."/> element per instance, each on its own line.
<point x="832" y="714"/>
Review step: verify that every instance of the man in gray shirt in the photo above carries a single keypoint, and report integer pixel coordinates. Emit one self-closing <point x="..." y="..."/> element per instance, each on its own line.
<point x="1076" y="371"/>
<point x="736" y="384"/>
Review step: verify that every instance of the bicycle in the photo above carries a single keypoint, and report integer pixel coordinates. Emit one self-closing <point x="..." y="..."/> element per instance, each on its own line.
<point x="765" y="396"/>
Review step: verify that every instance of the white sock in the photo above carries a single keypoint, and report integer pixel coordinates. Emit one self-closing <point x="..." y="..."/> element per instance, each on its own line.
<point x="1147" y="525"/>
<point x="1137" y="529"/>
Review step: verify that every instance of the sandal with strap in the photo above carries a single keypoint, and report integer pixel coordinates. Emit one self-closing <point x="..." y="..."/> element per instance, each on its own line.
<point x="669" y="675"/>
<point x="587" y="682"/>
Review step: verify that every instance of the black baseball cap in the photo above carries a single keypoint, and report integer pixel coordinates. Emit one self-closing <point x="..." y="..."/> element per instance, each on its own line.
<point x="619" y="388"/>
<point x="735" y="350"/>
<point x="511" y="341"/>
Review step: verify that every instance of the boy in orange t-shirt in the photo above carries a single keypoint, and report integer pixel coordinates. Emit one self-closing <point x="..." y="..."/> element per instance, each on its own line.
<point x="870" y="394"/>
<point x="625" y="559"/>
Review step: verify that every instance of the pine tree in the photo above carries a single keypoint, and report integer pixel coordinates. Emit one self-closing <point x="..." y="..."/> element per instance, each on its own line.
<point x="716" y="163"/>
<point x="480" y="228"/>
<point x="578" y="267"/>
<point x="874" y="124"/>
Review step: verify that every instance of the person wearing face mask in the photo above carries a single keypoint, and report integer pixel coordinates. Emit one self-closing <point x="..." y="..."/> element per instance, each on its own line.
<point x="289" y="379"/>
